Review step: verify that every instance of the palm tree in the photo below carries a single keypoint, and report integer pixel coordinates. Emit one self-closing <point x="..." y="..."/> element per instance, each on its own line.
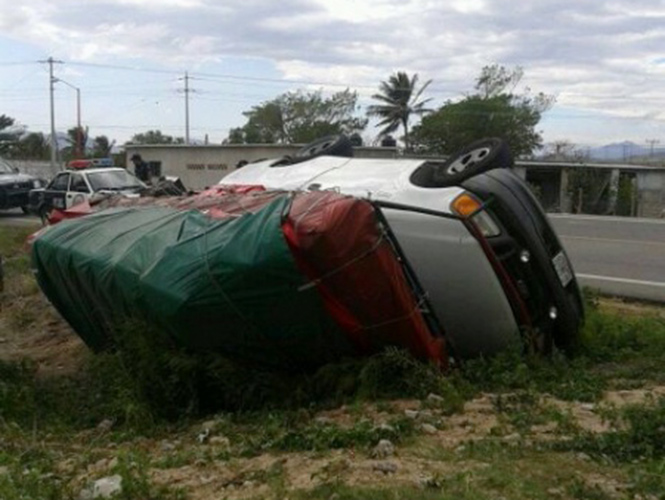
<point x="399" y="98"/>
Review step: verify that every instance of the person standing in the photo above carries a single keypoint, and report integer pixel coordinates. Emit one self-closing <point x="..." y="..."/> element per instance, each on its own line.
<point x="141" y="168"/>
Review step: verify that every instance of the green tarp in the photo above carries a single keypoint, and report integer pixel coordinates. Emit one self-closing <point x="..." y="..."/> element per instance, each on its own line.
<point x="227" y="285"/>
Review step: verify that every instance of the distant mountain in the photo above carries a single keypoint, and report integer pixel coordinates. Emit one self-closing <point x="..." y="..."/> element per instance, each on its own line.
<point x="626" y="151"/>
<point x="619" y="151"/>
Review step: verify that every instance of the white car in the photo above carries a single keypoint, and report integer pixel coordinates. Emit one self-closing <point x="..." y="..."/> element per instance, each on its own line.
<point x="73" y="186"/>
<point x="480" y="244"/>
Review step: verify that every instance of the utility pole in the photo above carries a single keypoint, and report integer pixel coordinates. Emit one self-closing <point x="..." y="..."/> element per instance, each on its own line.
<point x="79" y="132"/>
<point x="187" y="91"/>
<point x="186" y="108"/>
<point x="651" y="143"/>
<point x="52" y="80"/>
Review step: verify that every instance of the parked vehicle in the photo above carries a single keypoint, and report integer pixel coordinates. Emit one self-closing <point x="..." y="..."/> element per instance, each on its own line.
<point x="15" y="187"/>
<point x="75" y="185"/>
<point x="484" y="251"/>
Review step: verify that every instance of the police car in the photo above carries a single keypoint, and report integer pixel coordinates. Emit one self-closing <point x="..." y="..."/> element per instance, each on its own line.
<point x="82" y="180"/>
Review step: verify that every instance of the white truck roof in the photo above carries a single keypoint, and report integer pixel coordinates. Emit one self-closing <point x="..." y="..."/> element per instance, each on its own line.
<point x="377" y="179"/>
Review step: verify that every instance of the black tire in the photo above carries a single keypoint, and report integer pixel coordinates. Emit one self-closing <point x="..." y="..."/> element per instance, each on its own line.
<point x="476" y="158"/>
<point x="332" y="145"/>
<point x="25" y="209"/>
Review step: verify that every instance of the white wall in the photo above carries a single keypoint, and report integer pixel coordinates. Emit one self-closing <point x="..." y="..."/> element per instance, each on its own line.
<point x="41" y="169"/>
<point x="202" y="166"/>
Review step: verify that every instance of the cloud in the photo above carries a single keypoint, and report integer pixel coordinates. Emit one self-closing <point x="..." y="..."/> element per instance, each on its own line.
<point x="604" y="56"/>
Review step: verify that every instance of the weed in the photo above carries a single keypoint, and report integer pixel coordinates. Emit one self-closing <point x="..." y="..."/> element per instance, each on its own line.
<point x="522" y="410"/>
<point x="17" y="390"/>
<point x="581" y="490"/>
<point x="647" y="479"/>
<point x="568" y="379"/>
<point x="136" y="481"/>
<point x="173" y="383"/>
<point x="22" y="482"/>
<point x="291" y="431"/>
<point x="333" y="471"/>
<point x="274" y="476"/>
<point x="13" y="240"/>
<point x="341" y="492"/>
<point x="638" y="434"/>
<point x="608" y="337"/>
<point x="22" y="315"/>
<point x="394" y="373"/>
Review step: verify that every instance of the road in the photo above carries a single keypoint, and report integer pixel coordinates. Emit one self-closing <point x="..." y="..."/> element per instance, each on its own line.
<point x="617" y="255"/>
<point x="621" y="256"/>
<point x="17" y="218"/>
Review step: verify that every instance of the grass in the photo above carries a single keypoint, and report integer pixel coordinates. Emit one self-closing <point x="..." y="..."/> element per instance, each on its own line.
<point x="17" y="285"/>
<point x="638" y="434"/>
<point x="152" y="393"/>
<point x="134" y="468"/>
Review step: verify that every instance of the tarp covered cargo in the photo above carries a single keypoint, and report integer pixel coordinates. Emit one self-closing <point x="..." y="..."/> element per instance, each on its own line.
<point x="282" y="279"/>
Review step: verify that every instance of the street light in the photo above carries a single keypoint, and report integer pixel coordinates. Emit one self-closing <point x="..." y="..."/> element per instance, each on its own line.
<point x="78" y="114"/>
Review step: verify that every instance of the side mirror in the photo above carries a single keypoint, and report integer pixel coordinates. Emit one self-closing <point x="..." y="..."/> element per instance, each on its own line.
<point x="16" y="170"/>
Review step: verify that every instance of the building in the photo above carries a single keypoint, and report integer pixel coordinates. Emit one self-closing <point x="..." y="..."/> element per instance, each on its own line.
<point x="570" y="187"/>
<point x="599" y="188"/>
<point x="202" y="166"/>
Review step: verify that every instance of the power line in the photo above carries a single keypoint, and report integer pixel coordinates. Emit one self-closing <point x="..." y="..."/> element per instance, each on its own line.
<point x="18" y="63"/>
<point x="251" y="80"/>
<point x="242" y="78"/>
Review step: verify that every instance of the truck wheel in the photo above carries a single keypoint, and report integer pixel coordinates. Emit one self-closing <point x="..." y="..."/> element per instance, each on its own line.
<point x="476" y="158"/>
<point x="332" y="145"/>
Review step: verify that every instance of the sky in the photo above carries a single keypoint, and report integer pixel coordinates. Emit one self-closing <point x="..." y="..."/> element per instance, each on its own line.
<point x="604" y="62"/>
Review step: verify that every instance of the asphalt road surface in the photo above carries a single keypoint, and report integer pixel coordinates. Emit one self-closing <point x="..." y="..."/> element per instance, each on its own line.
<point x="17" y="218"/>
<point x="617" y="255"/>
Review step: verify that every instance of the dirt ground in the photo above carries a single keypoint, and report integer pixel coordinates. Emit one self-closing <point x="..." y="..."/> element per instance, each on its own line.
<point x="48" y="340"/>
<point x="193" y="464"/>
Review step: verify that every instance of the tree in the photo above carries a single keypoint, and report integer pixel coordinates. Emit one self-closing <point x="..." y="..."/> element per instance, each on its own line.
<point x="265" y="125"/>
<point x="155" y="137"/>
<point x="9" y="134"/>
<point x="77" y="140"/>
<point x="101" y="146"/>
<point x="564" y="150"/>
<point x="399" y="98"/>
<point x="494" y="110"/>
<point x="34" y="146"/>
<point x="299" y="117"/>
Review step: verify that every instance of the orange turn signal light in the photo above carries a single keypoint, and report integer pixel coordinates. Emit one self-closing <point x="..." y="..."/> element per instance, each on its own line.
<point x="465" y="205"/>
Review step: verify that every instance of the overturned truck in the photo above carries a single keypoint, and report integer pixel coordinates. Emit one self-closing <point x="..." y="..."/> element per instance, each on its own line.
<point x="284" y="279"/>
<point x="299" y="261"/>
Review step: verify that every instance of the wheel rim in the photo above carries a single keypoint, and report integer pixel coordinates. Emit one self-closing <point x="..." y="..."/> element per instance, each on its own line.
<point x="468" y="160"/>
<point x="318" y="148"/>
